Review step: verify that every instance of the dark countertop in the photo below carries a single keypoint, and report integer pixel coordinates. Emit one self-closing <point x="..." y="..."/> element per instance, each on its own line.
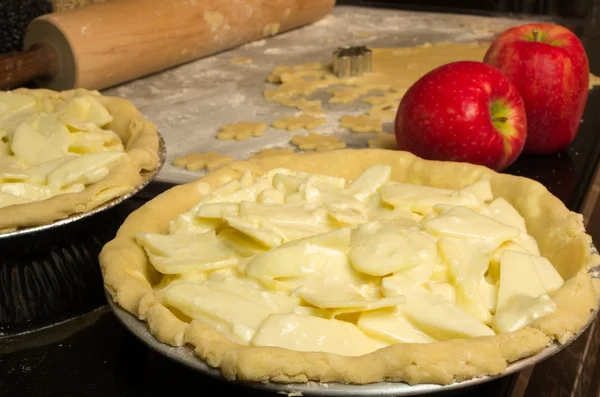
<point x="85" y="351"/>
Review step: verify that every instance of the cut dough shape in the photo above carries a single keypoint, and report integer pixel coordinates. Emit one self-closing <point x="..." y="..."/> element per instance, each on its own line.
<point x="271" y="29"/>
<point x="293" y="123"/>
<point x="361" y="123"/>
<point x="384" y="107"/>
<point x="197" y="161"/>
<point x="214" y="19"/>
<point x="347" y="94"/>
<point x="270" y="152"/>
<point x="241" y="131"/>
<point x="318" y="142"/>
<point x="594" y="81"/>
<point x="383" y="141"/>
<point x="240" y="61"/>
<point x="312" y="107"/>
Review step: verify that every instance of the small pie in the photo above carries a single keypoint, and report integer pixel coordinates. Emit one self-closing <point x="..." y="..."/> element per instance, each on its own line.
<point x="355" y="266"/>
<point x="68" y="152"/>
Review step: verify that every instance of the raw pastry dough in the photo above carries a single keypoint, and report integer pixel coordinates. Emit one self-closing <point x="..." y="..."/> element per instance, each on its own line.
<point x="311" y="107"/>
<point x="197" y="161"/>
<point x="383" y="141"/>
<point x="240" y="61"/>
<point x="271" y="29"/>
<point x="214" y="18"/>
<point x="293" y="123"/>
<point x="318" y="142"/>
<point x="241" y="131"/>
<point x="394" y="71"/>
<point x="269" y="152"/>
<point x="361" y="123"/>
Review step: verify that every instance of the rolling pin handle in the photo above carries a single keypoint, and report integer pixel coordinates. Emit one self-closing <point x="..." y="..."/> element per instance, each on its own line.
<point x="18" y="69"/>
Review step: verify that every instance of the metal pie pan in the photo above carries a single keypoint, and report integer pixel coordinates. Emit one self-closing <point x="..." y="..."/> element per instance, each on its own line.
<point x="36" y="237"/>
<point x="187" y="357"/>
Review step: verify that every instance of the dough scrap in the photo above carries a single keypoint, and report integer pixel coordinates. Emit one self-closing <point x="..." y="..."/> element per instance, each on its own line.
<point x="241" y="131"/>
<point x="346" y="94"/>
<point x="384" y="107"/>
<point x="240" y="61"/>
<point x="197" y="161"/>
<point x="271" y="29"/>
<point x="383" y="141"/>
<point x="270" y="152"/>
<point x="312" y="107"/>
<point x="317" y="142"/>
<point x="594" y="81"/>
<point x="293" y="123"/>
<point x="361" y="123"/>
<point x="214" y="19"/>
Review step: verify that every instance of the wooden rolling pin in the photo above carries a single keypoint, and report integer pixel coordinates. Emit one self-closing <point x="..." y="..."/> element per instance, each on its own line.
<point x="108" y="43"/>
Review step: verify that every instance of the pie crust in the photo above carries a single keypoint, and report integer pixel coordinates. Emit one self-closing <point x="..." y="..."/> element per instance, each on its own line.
<point x="141" y="141"/>
<point x="129" y="277"/>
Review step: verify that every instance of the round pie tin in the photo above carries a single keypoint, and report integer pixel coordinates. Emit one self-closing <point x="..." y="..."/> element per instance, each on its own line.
<point x="35" y="238"/>
<point x="187" y="357"/>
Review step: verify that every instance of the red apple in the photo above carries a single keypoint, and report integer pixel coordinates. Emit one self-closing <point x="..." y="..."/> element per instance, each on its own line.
<point x="463" y="111"/>
<point x="549" y="66"/>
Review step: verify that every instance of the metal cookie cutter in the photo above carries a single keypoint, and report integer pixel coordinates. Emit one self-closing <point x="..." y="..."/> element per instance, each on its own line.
<point x="351" y="61"/>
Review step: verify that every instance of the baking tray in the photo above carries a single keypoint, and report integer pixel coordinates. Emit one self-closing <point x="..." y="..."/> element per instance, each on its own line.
<point x="35" y="238"/>
<point x="187" y="357"/>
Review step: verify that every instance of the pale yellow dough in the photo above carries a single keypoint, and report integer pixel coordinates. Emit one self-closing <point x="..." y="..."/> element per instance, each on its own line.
<point x="141" y="142"/>
<point x="303" y="121"/>
<point x="271" y="29"/>
<point x="214" y="19"/>
<point x="129" y="277"/>
<point x="269" y="152"/>
<point x="318" y="142"/>
<point x="240" y="61"/>
<point x="361" y="123"/>
<point x="383" y="141"/>
<point x="241" y="131"/>
<point x="394" y="71"/>
<point x="197" y="161"/>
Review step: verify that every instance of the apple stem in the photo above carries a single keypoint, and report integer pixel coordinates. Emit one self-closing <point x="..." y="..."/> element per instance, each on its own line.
<point x="535" y="33"/>
<point x="500" y="119"/>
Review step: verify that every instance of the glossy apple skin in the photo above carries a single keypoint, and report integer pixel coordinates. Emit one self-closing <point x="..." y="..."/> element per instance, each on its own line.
<point x="552" y="79"/>
<point x="446" y="115"/>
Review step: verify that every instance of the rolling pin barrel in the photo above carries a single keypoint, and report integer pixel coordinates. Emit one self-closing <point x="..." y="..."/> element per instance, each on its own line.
<point x="108" y="43"/>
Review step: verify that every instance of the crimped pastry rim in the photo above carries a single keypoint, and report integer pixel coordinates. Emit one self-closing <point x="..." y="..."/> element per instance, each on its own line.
<point x="128" y="277"/>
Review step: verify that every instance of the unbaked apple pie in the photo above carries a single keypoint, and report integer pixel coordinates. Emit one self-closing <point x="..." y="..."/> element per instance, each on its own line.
<point x="355" y="266"/>
<point x="68" y="152"/>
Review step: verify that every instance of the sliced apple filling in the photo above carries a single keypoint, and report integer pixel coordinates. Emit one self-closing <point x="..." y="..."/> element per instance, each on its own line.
<point x="315" y="263"/>
<point x="54" y="144"/>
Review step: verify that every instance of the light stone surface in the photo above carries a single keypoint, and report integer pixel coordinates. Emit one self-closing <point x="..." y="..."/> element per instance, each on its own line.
<point x="191" y="102"/>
